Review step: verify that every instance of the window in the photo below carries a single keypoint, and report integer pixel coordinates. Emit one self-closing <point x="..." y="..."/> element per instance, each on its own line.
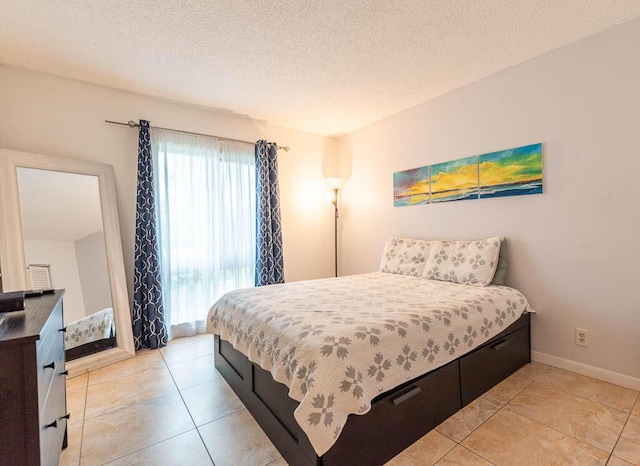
<point x="205" y="195"/>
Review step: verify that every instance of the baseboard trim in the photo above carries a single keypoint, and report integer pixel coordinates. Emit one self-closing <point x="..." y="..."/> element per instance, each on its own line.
<point x="590" y="371"/>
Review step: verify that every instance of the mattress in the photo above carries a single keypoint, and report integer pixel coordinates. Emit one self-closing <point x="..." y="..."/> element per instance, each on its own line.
<point x="338" y="343"/>
<point x="96" y="326"/>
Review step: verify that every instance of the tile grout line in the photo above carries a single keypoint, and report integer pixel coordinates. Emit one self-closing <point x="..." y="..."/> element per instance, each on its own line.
<point x="620" y="436"/>
<point x="148" y="446"/>
<point x="560" y="432"/>
<point x="108" y="412"/>
<point x="496" y="412"/>
<point x="540" y="379"/>
<point x="84" y="410"/>
<point x="492" y="414"/>
<point x="129" y="406"/>
<point x="448" y="451"/>
<point x="589" y="399"/>
<point x="169" y="438"/>
<point x="82" y="417"/>
<point x="185" y="404"/>
<point x="187" y="408"/>
<point x="637" y="402"/>
<point x="121" y="376"/>
<point x="483" y="422"/>
<point x="277" y="459"/>
<point x="477" y="454"/>
<point x="592" y="401"/>
<point x="121" y="407"/>
<point x="597" y="381"/>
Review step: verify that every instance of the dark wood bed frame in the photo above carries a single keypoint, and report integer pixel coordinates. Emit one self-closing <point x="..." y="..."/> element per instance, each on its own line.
<point x="397" y="418"/>
<point x="90" y="348"/>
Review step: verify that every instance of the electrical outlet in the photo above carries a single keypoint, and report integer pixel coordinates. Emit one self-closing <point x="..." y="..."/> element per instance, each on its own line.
<point x="582" y="337"/>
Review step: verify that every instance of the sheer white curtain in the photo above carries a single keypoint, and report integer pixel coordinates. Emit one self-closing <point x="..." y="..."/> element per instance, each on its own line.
<point x="205" y="196"/>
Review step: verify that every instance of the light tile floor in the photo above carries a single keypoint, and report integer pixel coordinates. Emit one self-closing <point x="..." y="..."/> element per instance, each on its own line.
<point x="171" y="407"/>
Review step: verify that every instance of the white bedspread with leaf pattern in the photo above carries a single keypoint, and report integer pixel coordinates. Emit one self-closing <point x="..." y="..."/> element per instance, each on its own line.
<point x="337" y="343"/>
<point x="90" y="328"/>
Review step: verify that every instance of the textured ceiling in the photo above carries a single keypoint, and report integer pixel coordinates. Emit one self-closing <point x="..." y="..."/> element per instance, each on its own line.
<point x="324" y="66"/>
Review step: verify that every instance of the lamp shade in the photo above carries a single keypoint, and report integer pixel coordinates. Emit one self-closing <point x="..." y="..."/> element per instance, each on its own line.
<point x="335" y="183"/>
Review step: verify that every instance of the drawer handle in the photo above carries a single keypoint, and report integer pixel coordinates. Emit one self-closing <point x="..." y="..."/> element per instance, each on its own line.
<point x="405" y="396"/>
<point x="66" y="416"/>
<point x="51" y="365"/>
<point x="501" y="344"/>
<point x="65" y="372"/>
<point x="54" y="424"/>
<point x="63" y="330"/>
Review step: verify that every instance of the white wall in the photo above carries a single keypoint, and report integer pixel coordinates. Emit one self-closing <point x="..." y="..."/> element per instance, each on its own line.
<point x="61" y="256"/>
<point x="94" y="274"/>
<point x="57" y="116"/>
<point x="574" y="250"/>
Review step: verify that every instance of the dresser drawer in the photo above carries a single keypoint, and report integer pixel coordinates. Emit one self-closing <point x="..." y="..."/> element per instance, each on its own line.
<point x="50" y="353"/>
<point x="53" y="422"/>
<point x="31" y="395"/>
<point x="483" y="368"/>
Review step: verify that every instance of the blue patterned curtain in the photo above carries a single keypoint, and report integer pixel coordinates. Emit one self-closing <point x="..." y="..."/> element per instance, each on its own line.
<point x="149" y="329"/>
<point x="269" y="262"/>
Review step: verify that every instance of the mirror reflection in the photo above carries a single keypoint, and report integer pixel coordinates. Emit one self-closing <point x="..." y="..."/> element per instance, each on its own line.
<point x="65" y="248"/>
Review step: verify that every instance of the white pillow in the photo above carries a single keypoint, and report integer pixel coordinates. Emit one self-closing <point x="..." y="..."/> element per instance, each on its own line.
<point x="465" y="262"/>
<point x="405" y="256"/>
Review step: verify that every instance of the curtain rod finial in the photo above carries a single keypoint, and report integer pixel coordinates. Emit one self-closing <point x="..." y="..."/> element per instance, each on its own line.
<point x="132" y="124"/>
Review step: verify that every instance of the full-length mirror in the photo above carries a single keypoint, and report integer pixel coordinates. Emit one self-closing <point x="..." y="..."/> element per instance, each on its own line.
<point x="64" y="248"/>
<point x="61" y="230"/>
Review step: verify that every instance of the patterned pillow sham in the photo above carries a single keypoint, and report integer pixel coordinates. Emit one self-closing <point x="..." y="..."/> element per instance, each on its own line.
<point x="405" y="256"/>
<point x="465" y="262"/>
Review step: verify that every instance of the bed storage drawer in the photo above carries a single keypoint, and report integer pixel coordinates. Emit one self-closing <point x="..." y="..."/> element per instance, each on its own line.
<point x="267" y="401"/>
<point x="403" y="417"/>
<point x="238" y="362"/>
<point x="485" y="367"/>
<point x="276" y="398"/>
<point x="397" y="419"/>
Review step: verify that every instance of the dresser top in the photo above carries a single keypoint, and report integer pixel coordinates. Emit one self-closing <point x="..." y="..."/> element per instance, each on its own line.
<point x="27" y="325"/>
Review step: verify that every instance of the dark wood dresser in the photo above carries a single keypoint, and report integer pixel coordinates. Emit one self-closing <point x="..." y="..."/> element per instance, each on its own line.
<point x="33" y="404"/>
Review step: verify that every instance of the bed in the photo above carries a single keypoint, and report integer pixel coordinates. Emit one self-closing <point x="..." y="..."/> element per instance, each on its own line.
<point x="89" y="334"/>
<point x="352" y="370"/>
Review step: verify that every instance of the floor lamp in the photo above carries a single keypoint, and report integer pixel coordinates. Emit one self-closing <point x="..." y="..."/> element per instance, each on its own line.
<point x="335" y="184"/>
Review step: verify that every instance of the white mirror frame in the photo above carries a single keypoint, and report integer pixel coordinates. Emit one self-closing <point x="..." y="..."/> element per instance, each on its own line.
<point x="12" y="258"/>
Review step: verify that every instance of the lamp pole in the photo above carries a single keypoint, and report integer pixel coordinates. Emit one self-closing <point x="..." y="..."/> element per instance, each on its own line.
<point x="335" y="229"/>
<point x="335" y="184"/>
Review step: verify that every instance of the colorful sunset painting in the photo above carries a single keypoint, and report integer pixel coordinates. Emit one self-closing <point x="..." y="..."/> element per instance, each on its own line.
<point x="411" y="187"/>
<point x="455" y="180"/>
<point x="511" y="172"/>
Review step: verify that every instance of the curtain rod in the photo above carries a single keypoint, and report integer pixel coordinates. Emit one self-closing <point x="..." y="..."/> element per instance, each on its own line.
<point x="133" y="124"/>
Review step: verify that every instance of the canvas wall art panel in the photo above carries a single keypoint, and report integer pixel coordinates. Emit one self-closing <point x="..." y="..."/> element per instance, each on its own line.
<point x="455" y="180"/>
<point x="411" y="187"/>
<point x="511" y="172"/>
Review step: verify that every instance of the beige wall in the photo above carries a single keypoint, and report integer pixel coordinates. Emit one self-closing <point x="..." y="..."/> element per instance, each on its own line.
<point x="55" y="116"/>
<point x="61" y="256"/>
<point x="574" y="250"/>
<point x="94" y="273"/>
